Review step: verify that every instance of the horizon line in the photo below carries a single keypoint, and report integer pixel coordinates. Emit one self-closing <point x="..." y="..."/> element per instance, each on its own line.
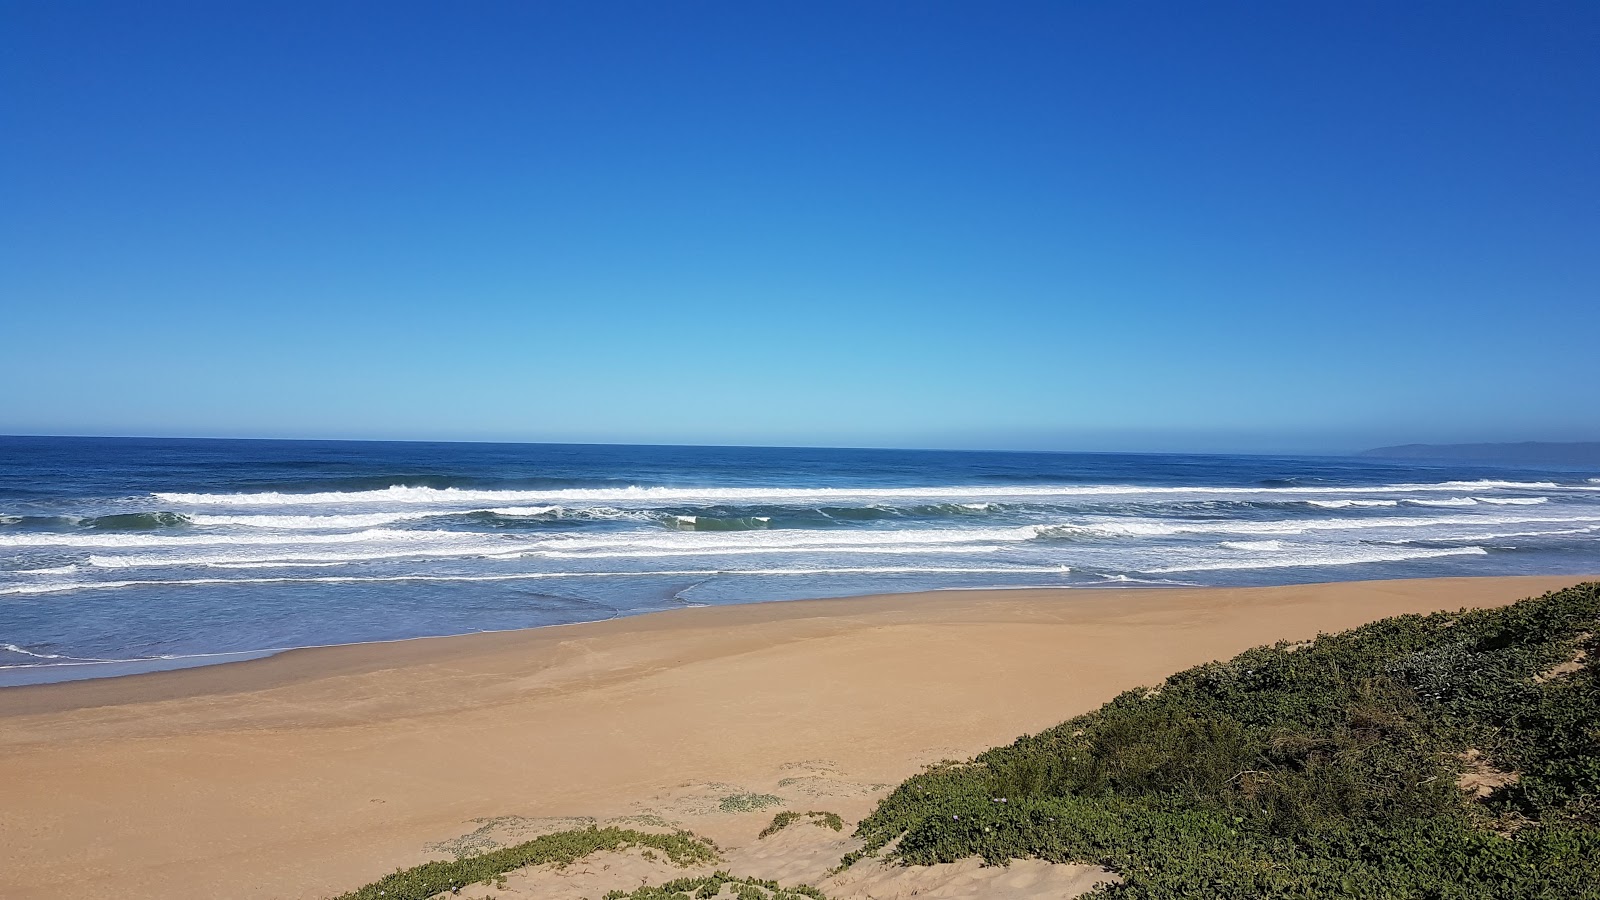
<point x="706" y="446"/>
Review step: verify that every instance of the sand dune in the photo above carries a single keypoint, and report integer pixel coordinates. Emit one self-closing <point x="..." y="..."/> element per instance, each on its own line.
<point x="310" y="773"/>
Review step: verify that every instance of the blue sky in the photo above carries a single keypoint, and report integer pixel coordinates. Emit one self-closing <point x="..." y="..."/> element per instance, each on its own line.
<point x="1140" y="226"/>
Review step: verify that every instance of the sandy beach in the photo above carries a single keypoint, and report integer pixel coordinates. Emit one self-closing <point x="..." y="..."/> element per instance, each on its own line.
<point x="312" y="772"/>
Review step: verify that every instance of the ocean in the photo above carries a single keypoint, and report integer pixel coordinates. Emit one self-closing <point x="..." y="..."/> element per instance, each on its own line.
<point x="122" y="555"/>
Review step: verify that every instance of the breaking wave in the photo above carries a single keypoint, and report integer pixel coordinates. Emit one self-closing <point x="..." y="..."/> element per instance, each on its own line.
<point x="1152" y="528"/>
<point x="143" y="521"/>
<point x="61" y="587"/>
<point x="1251" y="545"/>
<point x="457" y="497"/>
<point x="1314" y="558"/>
<point x="1348" y="504"/>
<point x="714" y="523"/>
<point x="247" y="544"/>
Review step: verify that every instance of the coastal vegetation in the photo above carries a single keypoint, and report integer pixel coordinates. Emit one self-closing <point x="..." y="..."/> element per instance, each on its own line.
<point x="786" y="818"/>
<point x="712" y="886"/>
<point x="1443" y="756"/>
<point x="1453" y="756"/>
<point x="748" y="802"/>
<point x="561" y="848"/>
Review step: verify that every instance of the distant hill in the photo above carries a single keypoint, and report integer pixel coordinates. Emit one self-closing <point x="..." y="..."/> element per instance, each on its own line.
<point x="1576" y="453"/>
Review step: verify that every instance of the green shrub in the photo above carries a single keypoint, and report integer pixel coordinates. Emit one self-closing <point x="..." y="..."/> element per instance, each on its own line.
<point x="1320" y="770"/>
<point x="785" y="819"/>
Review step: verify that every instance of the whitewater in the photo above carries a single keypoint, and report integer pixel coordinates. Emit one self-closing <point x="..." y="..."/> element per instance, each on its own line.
<point x="117" y="555"/>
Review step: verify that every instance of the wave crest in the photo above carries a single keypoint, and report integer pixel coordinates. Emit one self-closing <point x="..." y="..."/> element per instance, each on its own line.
<point x="1314" y="558"/>
<point x="714" y="523"/>
<point x="141" y="521"/>
<point x="636" y="494"/>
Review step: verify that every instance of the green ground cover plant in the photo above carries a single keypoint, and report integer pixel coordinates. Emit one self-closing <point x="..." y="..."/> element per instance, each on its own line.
<point x="712" y="885"/>
<point x="1326" y="770"/>
<point x="785" y="819"/>
<point x="561" y="848"/>
<point x="748" y="802"/>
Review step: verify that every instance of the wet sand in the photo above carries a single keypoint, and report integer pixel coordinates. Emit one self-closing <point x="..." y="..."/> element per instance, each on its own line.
<point x="309" y="773"/>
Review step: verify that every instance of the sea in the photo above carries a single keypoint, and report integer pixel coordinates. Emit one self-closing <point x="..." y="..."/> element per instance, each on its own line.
<point x="124" y="555"/>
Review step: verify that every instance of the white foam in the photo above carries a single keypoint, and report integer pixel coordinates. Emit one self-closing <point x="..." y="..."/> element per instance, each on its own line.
<point x="1560" y="532"/>
<point x="1115" y="528"/>
<point x="1106" y="529"/>
<point x="1423" y="501"/>
<point x="1317" y="557"/>
<point x="528" y="512"/>
<point x="299" y="557"/>
<point x="263" y="548"/>
<point x="148" y="540"/>
<point x="1407" y="522"/>
<point x="363" y="520"/>
<point x="846" y="549"/>
<point x="280" y="564"/>
<point x="65" y="660"/>
<point x="340" y="521"/>
<point x="779" y="538"/>
<point x="53" y="570"/>
<point x="1251" y="545"/>
<point x="647" y="496"/>
<point x="68" y="661"/>
<point x="15" y="649"/>
<point x="905" y="570"/>
<point x="266" y="548"/>
<point x="1346" y="504"/>
<point x="61" y="587"/>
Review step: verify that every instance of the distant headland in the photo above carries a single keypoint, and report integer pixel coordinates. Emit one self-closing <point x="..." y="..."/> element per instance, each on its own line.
<point x="1572" y="453"/>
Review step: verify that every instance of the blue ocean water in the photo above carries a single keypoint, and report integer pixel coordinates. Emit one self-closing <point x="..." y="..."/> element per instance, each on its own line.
<point x="121" y="555"/>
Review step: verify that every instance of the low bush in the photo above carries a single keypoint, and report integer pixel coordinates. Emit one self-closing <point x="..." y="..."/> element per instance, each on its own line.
<point x="1320" y="770"/>
<point x="785" y="819"/>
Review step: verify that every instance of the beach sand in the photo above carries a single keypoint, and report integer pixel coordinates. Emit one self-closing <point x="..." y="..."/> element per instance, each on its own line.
<point x="312" y="772"/>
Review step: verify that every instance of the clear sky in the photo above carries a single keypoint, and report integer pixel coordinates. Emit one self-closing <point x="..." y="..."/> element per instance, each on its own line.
<point x="1136" y="225"/>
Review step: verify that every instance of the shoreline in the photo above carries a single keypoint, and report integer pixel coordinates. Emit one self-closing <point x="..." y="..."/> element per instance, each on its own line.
<point x="145" y="668"/>
<point x="160" y="665"/>
<point x="311" y="771"/>
<point x="229" y="658"/>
